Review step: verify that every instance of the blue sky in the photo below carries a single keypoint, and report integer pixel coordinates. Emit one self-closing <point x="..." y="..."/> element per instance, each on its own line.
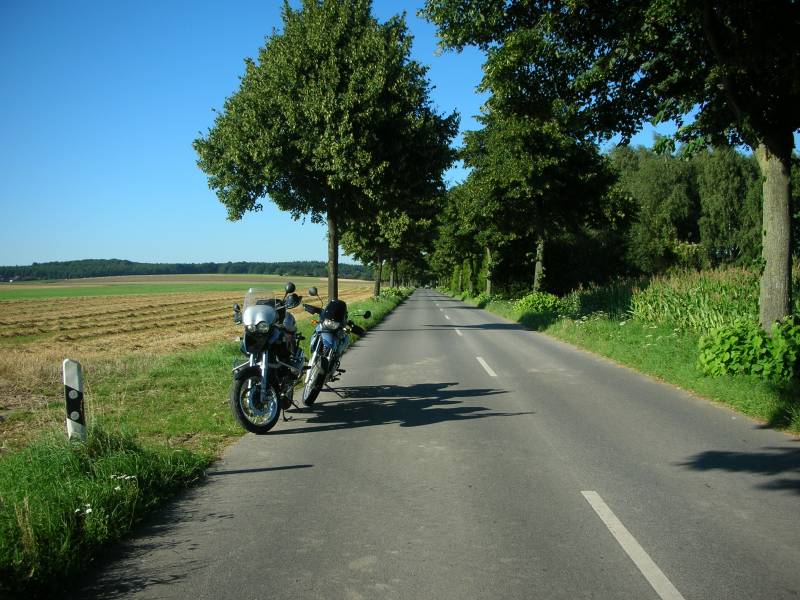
<point x="101" y="101"/>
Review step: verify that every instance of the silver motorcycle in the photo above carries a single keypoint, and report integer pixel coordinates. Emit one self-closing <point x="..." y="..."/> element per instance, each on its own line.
<point x="263" y="385"/>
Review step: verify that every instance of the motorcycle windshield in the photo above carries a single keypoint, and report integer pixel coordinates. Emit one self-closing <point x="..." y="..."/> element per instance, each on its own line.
<point x="259" y="296"/>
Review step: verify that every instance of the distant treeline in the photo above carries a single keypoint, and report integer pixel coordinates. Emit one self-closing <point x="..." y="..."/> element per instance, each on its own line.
<point x="74" y="269"/>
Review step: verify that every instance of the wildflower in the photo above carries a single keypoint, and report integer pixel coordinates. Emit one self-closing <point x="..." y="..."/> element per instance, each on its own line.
<point x="117" y="488"/>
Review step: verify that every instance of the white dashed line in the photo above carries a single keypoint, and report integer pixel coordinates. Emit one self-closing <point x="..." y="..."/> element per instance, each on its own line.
<point x="640" y="558"/>
<point x="447" y="317"/>
<point x="458" y="331"/>
<point x="487" y="367"/>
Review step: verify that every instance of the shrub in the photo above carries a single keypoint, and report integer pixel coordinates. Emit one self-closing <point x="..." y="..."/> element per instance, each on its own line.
<point x="570" y="305"/>
<point x="538" y="302"/>
<point x="744" y="348"/>
<point x="482" y="299"/>
<point x="391" y="293"/>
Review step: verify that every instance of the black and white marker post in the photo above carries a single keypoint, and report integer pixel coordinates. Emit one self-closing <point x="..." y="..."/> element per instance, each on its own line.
<point x="73" y="394"/>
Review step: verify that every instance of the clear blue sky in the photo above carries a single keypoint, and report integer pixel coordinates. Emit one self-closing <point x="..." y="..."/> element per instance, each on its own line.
<point x="100" y="103"/>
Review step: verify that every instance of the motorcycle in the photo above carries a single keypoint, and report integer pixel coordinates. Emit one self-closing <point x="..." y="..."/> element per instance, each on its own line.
<point x="263" y="385"/>
<point x="330" y="339"/>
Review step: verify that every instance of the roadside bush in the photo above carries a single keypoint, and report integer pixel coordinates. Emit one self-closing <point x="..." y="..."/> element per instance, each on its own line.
<point x="744" y="348"/>
<point x="394" y="293"/>
<point x="482" y="299"/>
<point x="570" y="305"/>
<point x="538" y="302"/>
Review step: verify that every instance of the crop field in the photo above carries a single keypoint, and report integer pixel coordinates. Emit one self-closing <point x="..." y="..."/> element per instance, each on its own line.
<point x="108" y="327"/>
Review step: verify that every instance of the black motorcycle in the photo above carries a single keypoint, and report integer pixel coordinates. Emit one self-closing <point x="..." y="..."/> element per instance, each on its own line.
<point x="330" y="339"/>
<point x="264" y="384"/>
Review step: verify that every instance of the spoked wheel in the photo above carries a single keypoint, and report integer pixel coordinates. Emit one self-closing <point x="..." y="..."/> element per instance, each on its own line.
<point x="246" y="403"/>
<point x="315" y="379"/>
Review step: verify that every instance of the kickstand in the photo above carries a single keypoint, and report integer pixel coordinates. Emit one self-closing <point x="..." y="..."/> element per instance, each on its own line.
<point x="285" y="418"/>
<point x="330" y="389"/>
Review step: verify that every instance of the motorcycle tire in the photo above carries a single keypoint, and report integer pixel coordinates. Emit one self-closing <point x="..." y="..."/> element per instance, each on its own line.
<point x="245" y="401"/>
<point x="315" y="379"/>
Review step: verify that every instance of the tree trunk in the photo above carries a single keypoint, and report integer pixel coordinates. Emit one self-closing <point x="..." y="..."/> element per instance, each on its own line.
<point x="473" y="276"/>
<point x="775" y="299"/>
<point x="378" y="275"/>
<point x="538" y="273"/>
<point x="393" y="272"/>
<point x="488" y="270"/>
<point x="333" y="256"/>
<point x="460" y="278"/>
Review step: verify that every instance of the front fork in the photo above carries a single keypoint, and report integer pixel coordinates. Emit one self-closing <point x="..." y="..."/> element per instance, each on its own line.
<point x="264" y="377"/>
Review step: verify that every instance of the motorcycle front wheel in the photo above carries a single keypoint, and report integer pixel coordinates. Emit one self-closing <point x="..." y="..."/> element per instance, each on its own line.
<point x="250" y="411"/>
<point x="315" y="379"/>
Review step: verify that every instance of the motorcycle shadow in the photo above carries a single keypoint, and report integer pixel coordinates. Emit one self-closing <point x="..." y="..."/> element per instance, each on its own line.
<point x="403" y="405"/>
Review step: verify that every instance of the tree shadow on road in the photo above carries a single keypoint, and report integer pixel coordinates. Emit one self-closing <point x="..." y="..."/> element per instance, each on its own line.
<point x="406" y="406"/>
<point x="780" y="465"/>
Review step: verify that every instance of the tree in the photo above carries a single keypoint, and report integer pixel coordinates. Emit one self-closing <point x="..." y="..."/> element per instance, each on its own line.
<point x="320" y="122"/>
<point x="537" y="181"/>
<point x="607" y="67"/>
<point x="729" y="189"/>
<point x="664" y="231"/>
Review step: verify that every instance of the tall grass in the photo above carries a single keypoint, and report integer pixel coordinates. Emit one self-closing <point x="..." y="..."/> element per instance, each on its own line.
<point x="61" y="501"/>
<point x="698" y="301"/>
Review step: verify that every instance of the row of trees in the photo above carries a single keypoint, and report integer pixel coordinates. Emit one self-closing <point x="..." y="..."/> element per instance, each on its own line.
<point x="563" y="76"/>
<point x="74" y="269"/>
<point x="658" y="212"/>
<point x="334" y="122"/>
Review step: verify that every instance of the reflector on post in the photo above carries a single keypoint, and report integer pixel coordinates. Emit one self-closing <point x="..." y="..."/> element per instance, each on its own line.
<point x="73" y="395"/>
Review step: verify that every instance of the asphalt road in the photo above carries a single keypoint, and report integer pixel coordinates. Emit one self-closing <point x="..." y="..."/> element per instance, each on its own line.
<point x="469" y="458"/>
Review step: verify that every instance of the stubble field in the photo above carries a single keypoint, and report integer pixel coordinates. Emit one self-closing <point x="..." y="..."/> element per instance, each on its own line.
<point x="114" y="324"/>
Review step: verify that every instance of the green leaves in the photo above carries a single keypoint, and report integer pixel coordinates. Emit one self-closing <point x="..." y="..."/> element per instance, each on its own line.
<point x="332" y="114"/>
<point x="744" y="348"/>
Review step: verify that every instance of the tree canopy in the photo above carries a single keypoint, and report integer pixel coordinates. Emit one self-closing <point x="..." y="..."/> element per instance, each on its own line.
<point x="329" y="122"/>
<point x="724" y="71"/>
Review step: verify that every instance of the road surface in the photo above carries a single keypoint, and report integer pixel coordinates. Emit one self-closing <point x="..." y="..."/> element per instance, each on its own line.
<point x="470" y="458"/>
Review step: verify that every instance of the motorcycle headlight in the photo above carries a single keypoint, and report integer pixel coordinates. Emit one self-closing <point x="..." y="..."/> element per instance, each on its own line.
<point x="330" y="324"/>
<point x="262" y="327"/>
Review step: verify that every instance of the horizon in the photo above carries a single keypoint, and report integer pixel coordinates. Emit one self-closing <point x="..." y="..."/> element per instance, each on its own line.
<point x="136" y="262"/>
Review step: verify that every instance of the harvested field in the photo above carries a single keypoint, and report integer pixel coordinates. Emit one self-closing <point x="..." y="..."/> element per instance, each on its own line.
<point x="108" y="333"/>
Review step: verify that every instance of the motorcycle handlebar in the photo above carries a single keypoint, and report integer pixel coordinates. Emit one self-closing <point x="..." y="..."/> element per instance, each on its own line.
<point x="310" y="308"/>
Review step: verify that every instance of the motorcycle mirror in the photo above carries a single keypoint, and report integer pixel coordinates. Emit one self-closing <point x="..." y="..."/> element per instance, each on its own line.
<point x="289" y="287"/>
<point x="312" y="291"/>
<point x="237" y="314"/>
<point x="367" y="315"/>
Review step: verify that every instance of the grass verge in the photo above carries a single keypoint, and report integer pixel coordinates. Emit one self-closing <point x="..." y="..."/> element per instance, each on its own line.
<point x="155" y="426"/>
<point x="667" y="353"/>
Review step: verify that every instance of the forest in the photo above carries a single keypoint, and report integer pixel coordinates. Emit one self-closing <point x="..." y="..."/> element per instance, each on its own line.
<point x="648" y="213"/>
<point x="74" y="269"/>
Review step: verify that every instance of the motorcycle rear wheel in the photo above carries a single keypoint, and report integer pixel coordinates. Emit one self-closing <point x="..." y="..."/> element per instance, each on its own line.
<point x="245" y="401"/>
<point x="315" y="379"/>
